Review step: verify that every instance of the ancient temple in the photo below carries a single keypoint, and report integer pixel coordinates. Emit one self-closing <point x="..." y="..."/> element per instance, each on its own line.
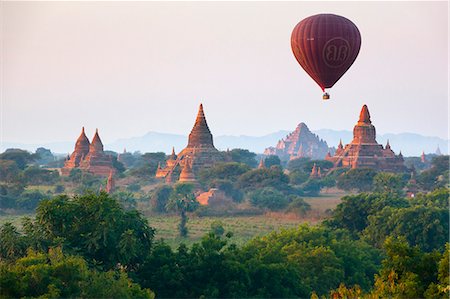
<point x="89" y="157"/>
<point x="81" y="150"/>
<point x="364" y="151"/>
<point x="299" y="143"/>
<point x="199" y="153"/>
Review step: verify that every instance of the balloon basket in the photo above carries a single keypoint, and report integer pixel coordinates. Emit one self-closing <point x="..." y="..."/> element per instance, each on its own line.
<point x="326" y="96"/>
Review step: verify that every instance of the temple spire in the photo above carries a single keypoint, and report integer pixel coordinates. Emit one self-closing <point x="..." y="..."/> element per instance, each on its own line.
<point x="200" y="135"/>
<point x="364" y="116"/>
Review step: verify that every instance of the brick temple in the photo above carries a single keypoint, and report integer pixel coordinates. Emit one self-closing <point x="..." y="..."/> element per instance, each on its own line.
<point x="89" y="157"/>
<point x="199" y="153"/>
<point x="298" y="144"/>
<point x="364" y="151"/>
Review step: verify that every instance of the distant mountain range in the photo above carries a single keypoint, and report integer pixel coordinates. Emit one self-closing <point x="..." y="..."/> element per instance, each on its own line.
<point x="410" y="144"/>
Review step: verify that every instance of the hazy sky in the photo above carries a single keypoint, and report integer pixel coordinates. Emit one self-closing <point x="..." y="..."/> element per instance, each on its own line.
<point x="132" y="67"/>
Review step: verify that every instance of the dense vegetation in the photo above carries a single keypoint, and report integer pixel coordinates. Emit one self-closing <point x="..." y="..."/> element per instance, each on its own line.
<point x="375" y="244"/>
<point x="75" y="244"/>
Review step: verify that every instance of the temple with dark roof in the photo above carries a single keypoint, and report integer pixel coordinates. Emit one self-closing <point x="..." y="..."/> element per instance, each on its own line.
<point x="89" y="157"/>
<point x="364" y="151"/>
<point x="198" y="154"/>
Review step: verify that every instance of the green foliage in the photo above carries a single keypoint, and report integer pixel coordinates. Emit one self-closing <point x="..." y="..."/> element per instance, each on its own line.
<point x="182" y="200"/>
<point x="223" y="171"/>
<point x="34" y="175"/>
<point x="244" y="156"/>
<point x="126" y="199"/>
<point x="44" y="156"/>
<point x="21" y="157"/>
<point x="299" y="165"/>
<point x="352" y="213"/>
<point x="272" y="160"/>
<point x="261" y="178"/>
<point x="312" y="186"/>
<point x="406" y="272"/>
<point x="298" y="177"/>
<point x="29" y="200"/>
<point x="388" y="183"/>
<point x="360" y="179"/>
<point x="298" y="206"/>
<point x="269" y="198"/>
<point x="9" y="195"/>
<point x="217" y="228"/>
<point x="159" y="197"/>
<point x="316" y="258"/>
<point x="55" y="275"/>
<point x="426" y="227"/>
<point x="437" y="176"/>
<point x="95" y="226"/>
<point x="12" y="244"/>
<point x="9" y="171"/>
<point x="228" y="188"/>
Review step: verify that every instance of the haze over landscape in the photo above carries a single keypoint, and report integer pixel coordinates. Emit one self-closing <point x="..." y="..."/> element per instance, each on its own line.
<point x="132" y="68"/>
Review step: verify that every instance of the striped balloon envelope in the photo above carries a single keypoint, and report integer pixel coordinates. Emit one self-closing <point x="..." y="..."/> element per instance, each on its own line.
<point x="325" y="45"/>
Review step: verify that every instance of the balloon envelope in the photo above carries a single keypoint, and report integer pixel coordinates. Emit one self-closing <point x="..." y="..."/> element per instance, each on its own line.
<point x="325" y="45"/>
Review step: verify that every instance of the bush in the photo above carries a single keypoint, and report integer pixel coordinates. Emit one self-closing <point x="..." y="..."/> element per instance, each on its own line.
<point x="217" y="228"/>
<point x="298" y="206"/>
<point x="269" y="198"/>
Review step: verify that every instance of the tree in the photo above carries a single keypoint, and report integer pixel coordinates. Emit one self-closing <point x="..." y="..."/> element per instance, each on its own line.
<point x="353" y="211"/>
<point x="21" y="157"/>
<point x="266" y="177"/>
<point x="55" y="275"/>
<point x="298" y="206"/>
<point x="272" y="160"/>
<point x="299" y="164"/>
<point x="29" y="200"/>
<point x="269" y="198"/>
<point x="159" y="197"/>
<point x="12" y="244"/>
<point x="230" y="171"/>
<point x="182" y="200"/>
<point x="244" y="156"/>
<point x="9" y="171"/>
<point x="35" y="175"/>
<point x="390" y="183"/>
<point x="360" y="179"/>
<point x="97" y="227"/>
<point x="406" y="272"/>
<point x="437" y="176"/>
<point x="424" y="226"/>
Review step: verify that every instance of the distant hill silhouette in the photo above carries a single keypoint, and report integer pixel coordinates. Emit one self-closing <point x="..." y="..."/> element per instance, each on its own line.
<point x="410" y="144"/>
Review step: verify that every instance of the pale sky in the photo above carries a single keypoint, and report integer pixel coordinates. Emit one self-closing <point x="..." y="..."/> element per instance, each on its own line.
<point x="132" y="67"/>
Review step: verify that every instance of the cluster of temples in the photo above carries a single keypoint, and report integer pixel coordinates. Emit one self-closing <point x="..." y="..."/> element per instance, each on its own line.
<point x="89" y="156"/>
<point x="199" y="153"/>
<point x="364" y="151"/>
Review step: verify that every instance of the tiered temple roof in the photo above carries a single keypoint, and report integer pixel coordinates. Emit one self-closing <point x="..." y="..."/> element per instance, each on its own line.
<point x="364" y="150"/>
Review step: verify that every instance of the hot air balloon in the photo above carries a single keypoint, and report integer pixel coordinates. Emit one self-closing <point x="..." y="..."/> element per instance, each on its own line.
<point x="325" y="45"/>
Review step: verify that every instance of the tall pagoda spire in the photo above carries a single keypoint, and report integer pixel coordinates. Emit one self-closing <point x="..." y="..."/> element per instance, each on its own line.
<point x="364" y="116"/>
<point x="96" y="144"/>
<point x="200" y="135"/>
<point x="82" y="143"/>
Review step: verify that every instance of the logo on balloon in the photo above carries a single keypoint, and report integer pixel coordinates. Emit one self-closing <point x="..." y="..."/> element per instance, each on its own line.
<point x="336" y="52"/>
